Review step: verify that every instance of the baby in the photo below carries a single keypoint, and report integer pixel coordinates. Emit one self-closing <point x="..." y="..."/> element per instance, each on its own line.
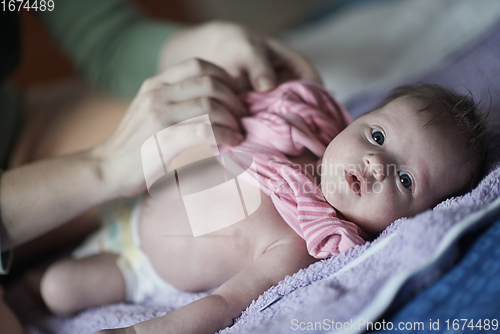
<point x="421" y="145"/>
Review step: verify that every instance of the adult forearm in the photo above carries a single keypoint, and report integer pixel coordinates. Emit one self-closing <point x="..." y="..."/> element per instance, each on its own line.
<point x="38" y="197"/>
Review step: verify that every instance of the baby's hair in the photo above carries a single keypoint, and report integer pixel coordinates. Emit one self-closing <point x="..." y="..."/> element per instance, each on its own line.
<point x="462" y="111"/>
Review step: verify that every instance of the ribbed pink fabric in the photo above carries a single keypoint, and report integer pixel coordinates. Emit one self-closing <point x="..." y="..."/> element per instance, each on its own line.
<point x="293" y="117"/>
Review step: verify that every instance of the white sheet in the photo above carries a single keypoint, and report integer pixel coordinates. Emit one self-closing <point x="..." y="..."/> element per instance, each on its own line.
<point x="380" y="44"/>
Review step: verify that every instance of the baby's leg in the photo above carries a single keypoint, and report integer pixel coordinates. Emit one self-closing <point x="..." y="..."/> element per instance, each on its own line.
<point x="69" y="286"/>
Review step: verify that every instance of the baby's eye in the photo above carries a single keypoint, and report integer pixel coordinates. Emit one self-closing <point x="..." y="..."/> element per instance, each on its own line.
<point x="405" y="179"/>
<point x="378" y="136"/>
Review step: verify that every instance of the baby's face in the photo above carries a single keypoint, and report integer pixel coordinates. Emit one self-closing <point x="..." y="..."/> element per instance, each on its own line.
<point x="388" y="164"/>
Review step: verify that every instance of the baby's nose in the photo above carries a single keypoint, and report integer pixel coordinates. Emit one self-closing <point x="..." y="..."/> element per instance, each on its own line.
<point x="375" y="165"/>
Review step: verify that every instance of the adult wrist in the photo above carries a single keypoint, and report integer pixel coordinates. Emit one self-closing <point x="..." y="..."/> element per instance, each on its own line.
<point x="98" y="163"/>
<point x="120" y="173"/>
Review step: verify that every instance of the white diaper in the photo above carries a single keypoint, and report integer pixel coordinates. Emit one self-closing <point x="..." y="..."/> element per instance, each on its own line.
<point x="119" y="234"/>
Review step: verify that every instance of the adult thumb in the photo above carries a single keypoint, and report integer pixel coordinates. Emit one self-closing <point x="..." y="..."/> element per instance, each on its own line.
<point x="260" y="70"/>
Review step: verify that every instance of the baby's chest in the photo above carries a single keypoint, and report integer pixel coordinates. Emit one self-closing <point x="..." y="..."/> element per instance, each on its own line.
<point x="208" y="260"/>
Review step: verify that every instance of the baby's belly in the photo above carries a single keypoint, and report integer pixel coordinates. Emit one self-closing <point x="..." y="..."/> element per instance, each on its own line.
<point x="203" y="262"/>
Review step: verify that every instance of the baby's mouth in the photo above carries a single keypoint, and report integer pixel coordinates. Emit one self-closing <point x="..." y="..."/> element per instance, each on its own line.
<point x="353" y="182"/>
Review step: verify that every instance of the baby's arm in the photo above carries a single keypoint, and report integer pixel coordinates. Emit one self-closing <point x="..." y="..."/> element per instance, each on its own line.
<point x="217" y="311"/>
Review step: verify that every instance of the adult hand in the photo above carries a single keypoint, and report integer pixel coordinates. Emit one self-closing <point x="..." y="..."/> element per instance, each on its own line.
<point x="244" y="54"/>
<point x="189" y="89"/>
<point x="40" y="196"/>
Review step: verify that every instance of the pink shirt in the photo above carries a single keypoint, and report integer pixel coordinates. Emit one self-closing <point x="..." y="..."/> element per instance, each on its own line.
<point x="295" y="116"/>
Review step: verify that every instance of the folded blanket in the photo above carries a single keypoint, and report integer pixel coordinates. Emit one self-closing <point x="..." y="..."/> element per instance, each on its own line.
<point x="468" y="291"/>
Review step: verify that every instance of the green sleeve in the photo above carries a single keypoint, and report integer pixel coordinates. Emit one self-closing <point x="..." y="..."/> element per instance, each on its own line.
<point x="110" y="42"/>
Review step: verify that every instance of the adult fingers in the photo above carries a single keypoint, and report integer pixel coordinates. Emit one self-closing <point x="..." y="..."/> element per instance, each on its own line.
<point x="225" y="125"/>
<point x="200" y="87"/>
<point x="191" y="68"/>
<point x="226" y="136"/>
<point x="297" y="66"/>
<point x="185" y="136"/>
<point x="218" y="113"/>
<point x="258" y="67"/>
